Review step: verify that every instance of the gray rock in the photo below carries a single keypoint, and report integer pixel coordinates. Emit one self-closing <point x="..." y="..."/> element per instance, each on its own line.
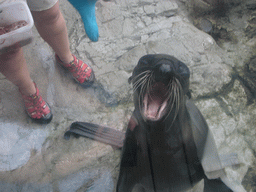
<point x="7" y="187"/>
<point x="251" y="4"/>
<point x="206" y="25"/>
<point x="17" y="143"/>
<point x="195" y="48"/>
<point x="91" y="181"/>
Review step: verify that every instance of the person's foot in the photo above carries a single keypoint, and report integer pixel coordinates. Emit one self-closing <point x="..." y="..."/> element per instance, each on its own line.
<point x="36" y="108"/>
<point x="80" y="71"/>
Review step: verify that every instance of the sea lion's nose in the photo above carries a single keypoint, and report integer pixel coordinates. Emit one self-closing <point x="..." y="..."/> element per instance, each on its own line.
<point x="165" y="69"/>
<point x="163" y="73"/>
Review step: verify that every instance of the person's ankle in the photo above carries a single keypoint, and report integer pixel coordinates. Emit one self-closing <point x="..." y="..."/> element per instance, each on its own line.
<point x="67" y="59"/>
<point x="28" y="90"/>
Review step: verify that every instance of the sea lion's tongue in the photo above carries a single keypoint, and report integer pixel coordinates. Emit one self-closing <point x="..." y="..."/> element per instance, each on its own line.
<point x="155" y="102"/>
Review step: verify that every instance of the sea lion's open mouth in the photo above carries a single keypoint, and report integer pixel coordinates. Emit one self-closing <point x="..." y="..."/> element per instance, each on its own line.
<point x="155" y="102"/>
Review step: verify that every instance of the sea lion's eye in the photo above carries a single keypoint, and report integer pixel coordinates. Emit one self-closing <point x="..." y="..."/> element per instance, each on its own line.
<point x="183" y="70"/>
<point x="144" y="63"/>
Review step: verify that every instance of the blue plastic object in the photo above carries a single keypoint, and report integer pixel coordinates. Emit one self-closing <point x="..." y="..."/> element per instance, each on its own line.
<point x="86" y="8"/>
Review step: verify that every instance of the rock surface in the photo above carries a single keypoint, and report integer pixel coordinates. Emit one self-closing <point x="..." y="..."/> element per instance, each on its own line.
<point x="35" y="157"/>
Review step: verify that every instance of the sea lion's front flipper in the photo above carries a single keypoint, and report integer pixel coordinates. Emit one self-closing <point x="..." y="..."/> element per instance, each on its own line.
<point x="205" y="144"/>
<point x="100" y="133"/>
<point x="127" y="175"/>
<point x="211" y="162"/>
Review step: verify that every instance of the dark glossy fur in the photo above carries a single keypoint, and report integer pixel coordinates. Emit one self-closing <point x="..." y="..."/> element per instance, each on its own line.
<point x="161" y="155"/>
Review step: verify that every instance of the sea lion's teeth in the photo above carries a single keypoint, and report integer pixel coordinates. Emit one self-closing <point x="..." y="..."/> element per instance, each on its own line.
<point x="162" y="108"/>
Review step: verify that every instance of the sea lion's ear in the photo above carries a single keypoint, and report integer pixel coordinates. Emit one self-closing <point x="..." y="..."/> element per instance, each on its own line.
<point x="130" y="80"/>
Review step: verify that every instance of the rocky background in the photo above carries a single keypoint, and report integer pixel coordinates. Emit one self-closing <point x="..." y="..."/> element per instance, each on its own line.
<point x="216" y="39"/>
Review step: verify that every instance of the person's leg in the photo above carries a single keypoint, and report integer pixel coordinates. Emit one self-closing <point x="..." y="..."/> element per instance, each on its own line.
<point x="52" y="28"/>
<point x="14" y="67"/>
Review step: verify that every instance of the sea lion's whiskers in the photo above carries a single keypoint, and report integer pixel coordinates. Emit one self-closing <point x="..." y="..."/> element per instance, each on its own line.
<point x="177" y="99"/>
<point x="140" y="84"/>
<point x="142" y="73"/>
<point x="170" y="90"/>
<point x="171" y="99"/>
<point x="151" y="79"/>
<point x="179" y="95"/>
<point x="144" y="88"/>
<point x="138" y="81"/>
<point x="173" y="94"/>
<point x="175" y="88"/>
<point x="136" y="78"/>
<point x="149" y="85"/>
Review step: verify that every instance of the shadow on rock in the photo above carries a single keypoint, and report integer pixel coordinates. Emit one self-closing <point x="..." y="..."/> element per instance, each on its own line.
<point x="249" y="181"/>
<point x="107" y="98"/>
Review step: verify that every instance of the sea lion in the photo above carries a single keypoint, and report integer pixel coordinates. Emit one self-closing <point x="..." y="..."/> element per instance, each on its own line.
<point x="168" y="146"/>
<point x="160" y="151"/>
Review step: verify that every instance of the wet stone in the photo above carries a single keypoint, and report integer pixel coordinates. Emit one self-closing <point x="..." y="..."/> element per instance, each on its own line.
<point x="87" y="181"/>
<point x="16" y="143"/>
<point x="206" y="25"/>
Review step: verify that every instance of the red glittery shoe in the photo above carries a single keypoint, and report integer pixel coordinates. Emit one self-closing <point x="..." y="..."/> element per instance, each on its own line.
<point x="80" y="71"/>
<point x="37" y="109"/>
